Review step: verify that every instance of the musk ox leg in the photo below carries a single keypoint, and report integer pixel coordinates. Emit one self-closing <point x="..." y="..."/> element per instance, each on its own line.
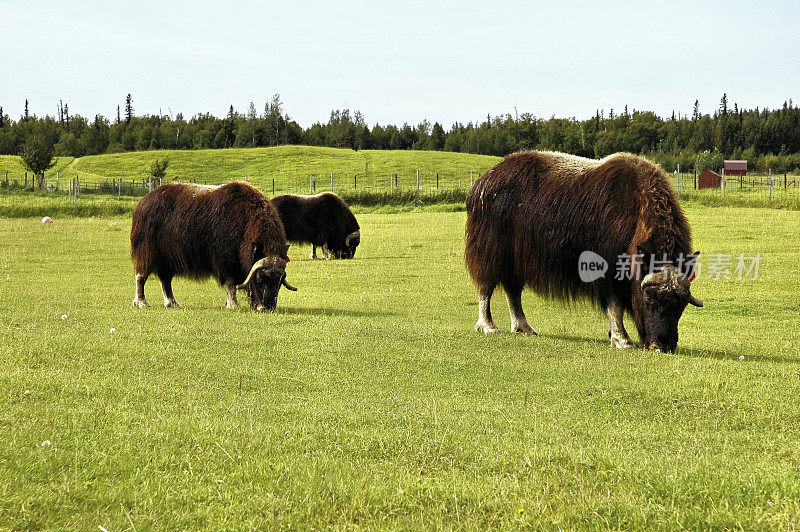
<point x="519" y="323"/>
<point x="616" y="328"/>
<point x="485" y="323"/>
<point x="325" y="251"/>
<point x="230" y="289"/>
<point x="313" y="252"/>
<point x="139" y="301"/>
<point x="166" y="288"/>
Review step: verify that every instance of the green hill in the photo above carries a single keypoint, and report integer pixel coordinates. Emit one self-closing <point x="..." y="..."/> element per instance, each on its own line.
<point x="291" y="167"/>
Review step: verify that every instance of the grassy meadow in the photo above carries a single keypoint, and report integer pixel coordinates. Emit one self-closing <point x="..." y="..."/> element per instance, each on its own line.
<point x="361" y="177"/>
<point x="367" y="400"/>
<point x="290" y="167"/>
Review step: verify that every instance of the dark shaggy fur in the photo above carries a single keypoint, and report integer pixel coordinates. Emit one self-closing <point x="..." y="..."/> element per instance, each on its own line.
<point x="199" y="231"/>
<point x="321" y="220"/>
<point x="530" y="217"/>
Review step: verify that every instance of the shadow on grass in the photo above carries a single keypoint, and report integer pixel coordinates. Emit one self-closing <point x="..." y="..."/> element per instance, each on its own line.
<point x="327" y="311"/>
<point x="688" y="351"/>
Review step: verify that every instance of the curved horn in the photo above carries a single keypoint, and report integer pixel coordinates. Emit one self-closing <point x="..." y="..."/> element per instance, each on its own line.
<point x="351" y="236"/>
<point x="263" y="263"/>
<point x="293" y="289"/>
<point x="694" y="301"/>
<point x="653" y="279"/>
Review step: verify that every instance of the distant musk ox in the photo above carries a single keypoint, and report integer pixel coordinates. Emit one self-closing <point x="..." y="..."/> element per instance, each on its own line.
<point x="231" y="232"/>
<point x="323" y="220"/>
<point x="531" y="217"/>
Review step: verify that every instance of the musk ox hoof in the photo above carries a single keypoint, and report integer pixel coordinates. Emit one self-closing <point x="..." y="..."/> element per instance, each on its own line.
<point x="141" y="303"/>
<point x="486" y="327"/>
<point x="171" y="303"/>
<point x="524" y="328"/>
<point x="622" y="342"/>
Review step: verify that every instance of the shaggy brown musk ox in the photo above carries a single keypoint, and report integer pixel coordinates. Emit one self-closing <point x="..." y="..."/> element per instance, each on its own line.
<point x="531" y="217"/>
<point x="231" y="232"/>
<point x="322" y="220"/>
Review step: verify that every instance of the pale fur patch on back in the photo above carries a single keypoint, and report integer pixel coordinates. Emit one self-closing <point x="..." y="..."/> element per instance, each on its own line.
<point x="569" y="166"/>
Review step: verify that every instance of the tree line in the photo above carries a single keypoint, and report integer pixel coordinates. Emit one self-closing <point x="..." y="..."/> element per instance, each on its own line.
<point x="766" y="138"/>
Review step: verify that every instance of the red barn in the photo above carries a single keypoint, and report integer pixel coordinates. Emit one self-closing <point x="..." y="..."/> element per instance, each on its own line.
<point x="709" y="179"/>
<point x="735" y="168"/>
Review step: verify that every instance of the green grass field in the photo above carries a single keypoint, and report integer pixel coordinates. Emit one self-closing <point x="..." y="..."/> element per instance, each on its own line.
<point x="290" y="167"/>
<point x="368" y="401"/>
<point x="361" y="177"/>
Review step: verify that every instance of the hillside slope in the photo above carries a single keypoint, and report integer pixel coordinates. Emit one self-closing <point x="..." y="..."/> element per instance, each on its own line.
<point x="292" y="167"/>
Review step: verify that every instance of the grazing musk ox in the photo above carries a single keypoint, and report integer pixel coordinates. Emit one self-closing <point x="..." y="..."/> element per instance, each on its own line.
<point x="231" y="232"/>
<point x="531" y="217"/>
<point x="323" y="220"/>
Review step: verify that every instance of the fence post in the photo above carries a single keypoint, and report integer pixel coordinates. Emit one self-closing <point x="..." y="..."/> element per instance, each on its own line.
<point x="470" y="179"/>
<point x="331" y="181"/>
<point x="119" y="189"/>
<point x="56" y="181"/>
<point x="770" y="184"/>
<point x="785" y="180"/>
<point x="273" y="186"/>
<point x="679" y="179"/>
<point x="355" y="181"/>
<point x="417" y="184"/>
<point x="723" y="180"/>
<point x="695" y="178"/>
<point x="391" y="183"/>
<point x="437" y="181"/>
<point x="311" y="184"/>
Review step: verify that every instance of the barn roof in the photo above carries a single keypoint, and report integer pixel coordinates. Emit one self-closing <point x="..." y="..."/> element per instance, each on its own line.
<point x="735" y="165"/>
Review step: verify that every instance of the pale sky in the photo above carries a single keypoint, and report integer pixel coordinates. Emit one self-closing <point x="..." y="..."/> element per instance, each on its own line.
<point x="398" y="61"/>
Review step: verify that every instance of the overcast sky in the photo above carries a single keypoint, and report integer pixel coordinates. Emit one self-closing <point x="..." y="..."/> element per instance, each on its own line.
<point x="399" y="61"/>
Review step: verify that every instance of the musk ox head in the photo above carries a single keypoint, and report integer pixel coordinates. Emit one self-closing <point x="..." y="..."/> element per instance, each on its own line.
<point x="264" y="281"/>
<point x="348" y="250"/>
<point x="659" y="299"/>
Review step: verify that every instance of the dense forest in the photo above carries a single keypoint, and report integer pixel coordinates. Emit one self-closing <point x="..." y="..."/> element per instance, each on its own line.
<point x="767" y="138"/>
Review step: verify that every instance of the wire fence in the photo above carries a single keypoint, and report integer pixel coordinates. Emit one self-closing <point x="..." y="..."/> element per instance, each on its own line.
<point x="764" y="187"/>
<point x="403" y="182"/>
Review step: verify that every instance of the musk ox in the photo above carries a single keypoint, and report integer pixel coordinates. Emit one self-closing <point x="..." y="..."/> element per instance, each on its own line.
<point x="532" y="216"/>
<point x="323" y="220"/>
<point x="231" y="232"/>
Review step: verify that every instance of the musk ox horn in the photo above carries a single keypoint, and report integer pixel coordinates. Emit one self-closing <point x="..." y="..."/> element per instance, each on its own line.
<point x="659" y="278"/>
<point x="671" y="279"/>
<point x="694" y="301"/>
<point x="266" y="262"/>
<point x="293" y="289"/>
<point x="351" y="236"/>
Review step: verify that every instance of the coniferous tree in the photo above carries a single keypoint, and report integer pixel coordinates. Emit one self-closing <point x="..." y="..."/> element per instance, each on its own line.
<point x="1" y="116"/>
<point x="723" y="105"/>
<point x="128" y="108"/>
<point x="26" y="110"/>
<point x="118" y="118"/>
<point x="696" y="112"/>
